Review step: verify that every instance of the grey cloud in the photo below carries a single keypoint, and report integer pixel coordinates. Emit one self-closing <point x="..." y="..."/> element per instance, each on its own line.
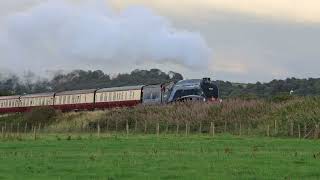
<point x="267" y="49"/>
<point x="60" y="35"/>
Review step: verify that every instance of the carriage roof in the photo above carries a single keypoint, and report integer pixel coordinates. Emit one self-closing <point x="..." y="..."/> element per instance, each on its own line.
<point x="9" y="97"/>
<point x="51" y="94"/>
<point x="125" y="88"/>
<point x="86" y="91"/>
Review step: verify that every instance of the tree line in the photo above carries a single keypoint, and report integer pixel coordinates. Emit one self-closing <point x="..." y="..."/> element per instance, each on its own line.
<point x="80" y="79"/>
<point x="298" y="87"/>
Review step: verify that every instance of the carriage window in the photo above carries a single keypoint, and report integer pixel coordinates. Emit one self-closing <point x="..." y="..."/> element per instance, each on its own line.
<point x="126" y="95"/>
<point x="114" y="96"/>
<point x="101" y="97"/>
<point x="64" y="99"/>
<point x="68" y="99"/>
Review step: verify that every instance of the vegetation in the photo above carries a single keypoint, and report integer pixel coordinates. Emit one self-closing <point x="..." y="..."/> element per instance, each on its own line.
<point x="295" y="117"/>
<point x="301" y="87"/>
<point x="80" y="79"/>
<point x="165" y="157"/>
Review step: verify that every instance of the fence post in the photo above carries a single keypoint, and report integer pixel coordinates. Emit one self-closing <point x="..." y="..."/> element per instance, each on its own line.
<point x="305" y="130"/>
<point x="292" y="129"/>
<point x="116" y="125"/>
<point x="275" y="127"/>
<point x="98" y="130"/>
<point x="25" y="128"/>
<point x="186" y="128"/>
<point x="268" y="130"/>
<point x="5" y="131"/>
<point x="200" y="127"/>
<point x="18" y="130"/>
<point x="299" y="131"/>
<point x="2" y="132"/>
<point x="145" y="127"/>
<point x="127" y="127"/>
<point x="212" y="129"/>
<point x="135" y="126"/>
<point x="39" y="128"/>
<point x="316" y="132"/>
<point x="177" y="128"/>
<point x="107" y="126"/>
<point x="11" y="127"/>
<point x="34" y="133"/>
<point x="240" y="129"/>
<point x="225" y="126"/>
<point x="167" y="127"/>
<point x="158" y="129"/>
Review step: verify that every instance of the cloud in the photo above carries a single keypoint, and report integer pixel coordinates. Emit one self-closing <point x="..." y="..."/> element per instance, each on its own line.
<point x="288" y="10"/>
<point x="62" y="35"/>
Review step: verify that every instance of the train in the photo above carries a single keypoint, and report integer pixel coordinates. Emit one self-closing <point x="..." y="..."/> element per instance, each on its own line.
<point x="90" y="99"/>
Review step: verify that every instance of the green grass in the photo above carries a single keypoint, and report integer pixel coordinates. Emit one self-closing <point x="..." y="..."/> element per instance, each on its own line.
<point x="165" y="157"/>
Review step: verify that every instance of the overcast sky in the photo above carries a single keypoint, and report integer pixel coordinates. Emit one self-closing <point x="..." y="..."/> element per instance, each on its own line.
<point x="236" y="40"/>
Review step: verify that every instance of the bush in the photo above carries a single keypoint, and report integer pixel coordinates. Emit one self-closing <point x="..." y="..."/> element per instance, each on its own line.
<point x="282" y="97"/>
<point x="41" y="115"/>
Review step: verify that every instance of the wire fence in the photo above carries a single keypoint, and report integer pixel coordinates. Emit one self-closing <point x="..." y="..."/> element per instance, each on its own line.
<point x="20" y="131"/>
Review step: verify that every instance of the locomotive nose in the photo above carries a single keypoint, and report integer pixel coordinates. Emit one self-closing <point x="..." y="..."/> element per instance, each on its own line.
<point x="206" y="80"/>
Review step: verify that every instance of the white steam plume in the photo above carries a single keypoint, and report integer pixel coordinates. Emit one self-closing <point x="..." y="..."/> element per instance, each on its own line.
<point x="59" y="35"/>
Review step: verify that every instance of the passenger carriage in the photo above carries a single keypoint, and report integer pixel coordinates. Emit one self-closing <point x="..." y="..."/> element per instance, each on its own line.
<point x="75" y="100"/>
<point x="9" y="104"/>
<point x="118" y="97"/>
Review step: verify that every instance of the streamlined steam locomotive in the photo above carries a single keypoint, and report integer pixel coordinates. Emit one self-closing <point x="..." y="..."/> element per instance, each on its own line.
<point x="90" y="99"/>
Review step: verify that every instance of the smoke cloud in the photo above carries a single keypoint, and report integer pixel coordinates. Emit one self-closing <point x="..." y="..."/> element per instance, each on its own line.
<point x="62" y="35"/>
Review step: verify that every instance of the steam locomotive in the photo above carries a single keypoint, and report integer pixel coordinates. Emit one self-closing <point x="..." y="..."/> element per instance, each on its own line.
<point x="90" y="99"/>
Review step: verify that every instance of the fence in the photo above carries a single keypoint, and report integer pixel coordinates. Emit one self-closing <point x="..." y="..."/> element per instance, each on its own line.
<point x="159" y="128"/>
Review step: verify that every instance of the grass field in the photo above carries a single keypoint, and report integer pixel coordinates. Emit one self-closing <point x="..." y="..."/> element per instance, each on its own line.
<point x="164" y="157"/>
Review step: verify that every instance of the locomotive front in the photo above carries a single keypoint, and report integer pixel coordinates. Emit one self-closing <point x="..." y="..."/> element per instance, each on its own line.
<point x="194" y="90"/>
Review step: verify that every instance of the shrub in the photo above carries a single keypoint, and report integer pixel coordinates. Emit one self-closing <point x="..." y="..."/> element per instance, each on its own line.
<point x="282" y="97"/>
<point x="41" y="115"/>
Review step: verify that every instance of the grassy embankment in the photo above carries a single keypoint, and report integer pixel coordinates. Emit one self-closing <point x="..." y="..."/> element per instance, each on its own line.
<point x="295" y="117"/>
